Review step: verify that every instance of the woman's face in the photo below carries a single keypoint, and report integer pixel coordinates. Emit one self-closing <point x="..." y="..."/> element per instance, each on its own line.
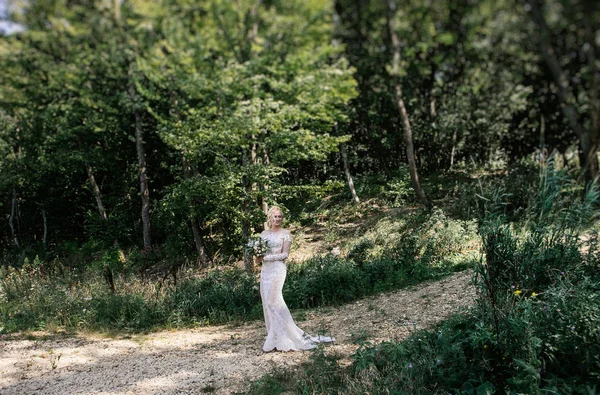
<point x="276" y="218"/>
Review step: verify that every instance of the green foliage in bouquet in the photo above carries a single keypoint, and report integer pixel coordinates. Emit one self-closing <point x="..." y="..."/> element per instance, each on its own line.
<point x="257" y="246"/>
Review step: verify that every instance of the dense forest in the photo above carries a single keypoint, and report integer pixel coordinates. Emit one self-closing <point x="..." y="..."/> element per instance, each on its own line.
<point x="151" y="124"/>
<point x="138" y="138"/>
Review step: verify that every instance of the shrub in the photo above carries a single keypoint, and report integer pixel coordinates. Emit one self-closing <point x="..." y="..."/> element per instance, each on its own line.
<point x="429" y="240"/>
<point x="219" y="297"/>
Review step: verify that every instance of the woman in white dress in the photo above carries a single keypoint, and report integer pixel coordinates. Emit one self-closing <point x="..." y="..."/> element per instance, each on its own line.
<point x="282" y="332"/>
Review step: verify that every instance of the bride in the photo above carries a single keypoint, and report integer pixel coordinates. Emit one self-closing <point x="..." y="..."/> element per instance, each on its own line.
<point x="282" y="332"/>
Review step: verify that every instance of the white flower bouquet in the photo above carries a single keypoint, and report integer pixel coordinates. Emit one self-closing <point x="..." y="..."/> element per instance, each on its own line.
<point x="257" y="246"/>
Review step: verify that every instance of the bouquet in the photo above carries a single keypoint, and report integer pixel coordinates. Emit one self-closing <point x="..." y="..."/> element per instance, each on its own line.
<point x="257" y="246"/>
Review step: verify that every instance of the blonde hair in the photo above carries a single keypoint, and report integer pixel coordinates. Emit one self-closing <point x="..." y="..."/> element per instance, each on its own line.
<point x="270" y="215"/>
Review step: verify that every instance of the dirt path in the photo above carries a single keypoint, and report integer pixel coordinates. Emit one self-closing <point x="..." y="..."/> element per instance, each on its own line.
<point x="218" y="359"/>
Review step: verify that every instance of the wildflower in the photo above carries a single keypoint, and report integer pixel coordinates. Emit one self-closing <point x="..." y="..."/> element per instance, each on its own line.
<point x="512" y="287"/>
<point x="438" y="361"/>
<point x="410" y="365"/>
<point x="518" y="292"/>
<point x="533" y="294"/>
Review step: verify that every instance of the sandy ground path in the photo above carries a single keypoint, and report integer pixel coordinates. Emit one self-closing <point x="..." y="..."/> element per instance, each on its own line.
<point x="217" y="359"/>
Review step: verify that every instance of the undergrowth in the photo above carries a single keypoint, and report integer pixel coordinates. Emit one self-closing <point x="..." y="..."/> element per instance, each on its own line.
<point x="54" y="296"/>
<point x="535" y="327"/>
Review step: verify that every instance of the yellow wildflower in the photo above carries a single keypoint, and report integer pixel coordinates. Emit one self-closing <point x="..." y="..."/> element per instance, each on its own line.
<point x="518" y="292"/>
<point x="533" y="294"/>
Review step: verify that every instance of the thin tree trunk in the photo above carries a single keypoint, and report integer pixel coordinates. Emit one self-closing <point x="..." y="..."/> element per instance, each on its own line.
<point x="407" y="135"/>
<point x="108" y="274"/>
<point x="453" y="151"/>
<point x="11" y="219"/>
<point x="254" y="30"/>
<point x="117" y="10"/>
<point x="202" y="255"/>
<point x="96" y="190"/>
<point x="45" y="238"/>
<point x="251" y="187"/>
<point x="109" y="278"/>
<point x="591" y="27"/>
<point x="144" y="190"/>
<point x="265" y="188"/>
<point x="542" y="141"/>
<point x="355" y="198"/>
<point x="587" y="139"/>
<point x="430" y="86"/>
<point x="246" y="54"/>
<point x="248" y="260"/>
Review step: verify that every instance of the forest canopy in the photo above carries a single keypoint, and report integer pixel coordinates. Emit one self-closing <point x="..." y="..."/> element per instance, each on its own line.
<point x="175" y="124"/>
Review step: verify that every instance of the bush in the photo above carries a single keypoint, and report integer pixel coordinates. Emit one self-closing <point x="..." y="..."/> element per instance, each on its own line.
<point x="130" y="312"/>
<point x="429" y="240"/>
<point x="519" y="185"/>
<point x="219" y="297"/>
<point x="322" y="281"/>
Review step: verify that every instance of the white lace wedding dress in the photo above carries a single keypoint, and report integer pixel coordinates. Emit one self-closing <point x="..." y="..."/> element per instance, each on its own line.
<point x="282" y="332"/>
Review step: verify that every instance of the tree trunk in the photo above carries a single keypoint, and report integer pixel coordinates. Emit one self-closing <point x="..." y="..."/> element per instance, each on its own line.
<point x="430" y="85"/>
<point x="108" y="274"/>
<point x="202" y="255"/>
<point x="45" y="238"/>
<point x="117" y="11"/>
<point x="248" y="185"/>
<point x="109" y="278"/>
<point x="591" y="27"/>
<point x="589" y="155"/>
<point x="453" y="151"/>
<point x="250" y="38"/>
<point x="96" y="190"/>
<point x="407" y="135"/>
<point x="265" y="188"/>
<point x="432" y="112"/>
<point x="144" y="190"/>
<point x="355" y="198"/>
<point x="588" y="141"/>
<point x="248" y="260"/>
<point x="11" y="219"/>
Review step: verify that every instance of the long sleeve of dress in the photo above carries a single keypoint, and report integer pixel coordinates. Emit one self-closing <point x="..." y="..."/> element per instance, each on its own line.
<point x="285" y="250"/>
<point x="276" y="257"/>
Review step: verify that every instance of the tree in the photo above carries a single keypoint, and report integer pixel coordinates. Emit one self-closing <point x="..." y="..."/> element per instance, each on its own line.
<point x="263" y="95"/>
<point x="407" y="132"/>
<point x="589" y="136"/>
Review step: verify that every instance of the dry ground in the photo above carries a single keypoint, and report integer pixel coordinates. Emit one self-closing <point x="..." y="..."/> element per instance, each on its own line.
<point x="217" y="359"/>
